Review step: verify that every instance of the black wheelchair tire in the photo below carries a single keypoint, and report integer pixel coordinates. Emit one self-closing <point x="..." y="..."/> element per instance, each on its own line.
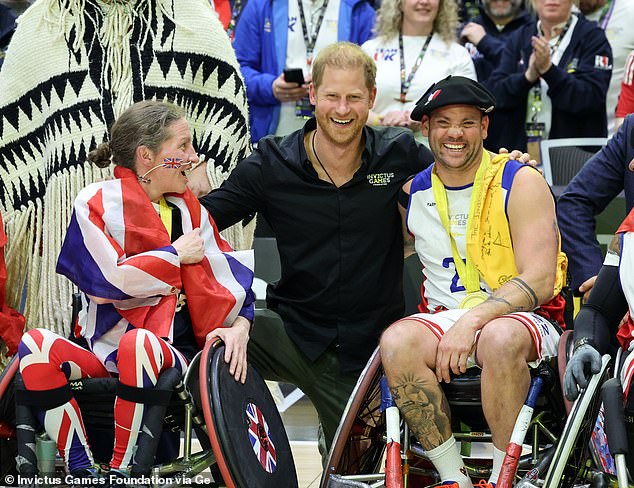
<point x="225" y="403"/>
<point x="359" y="443"/>
<point x="572" y="452"/>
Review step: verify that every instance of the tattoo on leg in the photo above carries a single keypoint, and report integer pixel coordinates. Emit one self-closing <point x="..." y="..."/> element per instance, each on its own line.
<point x="527" y="290"/>
<point x="425" y="409"/>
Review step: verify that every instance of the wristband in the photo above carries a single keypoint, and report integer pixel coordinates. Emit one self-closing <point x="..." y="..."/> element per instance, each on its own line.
<point x="584" y="341"/>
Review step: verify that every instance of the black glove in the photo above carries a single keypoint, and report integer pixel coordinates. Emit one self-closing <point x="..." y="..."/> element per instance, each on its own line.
<point x="585" y="362"/>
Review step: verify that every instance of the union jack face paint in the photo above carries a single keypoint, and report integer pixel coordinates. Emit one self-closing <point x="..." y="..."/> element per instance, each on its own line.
<point x="172" y="163"/>
<point x="260" y="438"/>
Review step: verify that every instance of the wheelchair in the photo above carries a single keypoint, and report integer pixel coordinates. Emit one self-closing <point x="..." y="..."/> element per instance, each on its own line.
<point x="557" y="449"/>
<point x="238" y="427"/>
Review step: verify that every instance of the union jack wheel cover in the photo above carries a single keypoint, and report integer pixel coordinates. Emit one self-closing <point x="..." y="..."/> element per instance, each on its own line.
<point x="260" y="438"/>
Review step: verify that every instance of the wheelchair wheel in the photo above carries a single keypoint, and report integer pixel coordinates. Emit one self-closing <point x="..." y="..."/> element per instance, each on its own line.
<point x="359" y="444"/>
<point x="564" y="351"/>
<point x="572" y="452"/>
<point x="244" y="426"/>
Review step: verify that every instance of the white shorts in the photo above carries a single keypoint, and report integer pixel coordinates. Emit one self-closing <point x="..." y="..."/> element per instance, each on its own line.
<point x="545" y="335"/>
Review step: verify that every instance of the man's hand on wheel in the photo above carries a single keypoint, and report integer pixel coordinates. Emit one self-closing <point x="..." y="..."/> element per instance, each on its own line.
<point x="236" y="339"/>
<point x="585" y="362"/>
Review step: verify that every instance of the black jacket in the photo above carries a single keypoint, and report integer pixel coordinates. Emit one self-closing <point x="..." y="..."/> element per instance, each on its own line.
<point x="488" y="54"/>
<point x="577" y="87"/>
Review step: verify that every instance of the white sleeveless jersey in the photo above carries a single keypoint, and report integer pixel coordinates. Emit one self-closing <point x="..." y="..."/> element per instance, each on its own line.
<point x="442" y="287"/>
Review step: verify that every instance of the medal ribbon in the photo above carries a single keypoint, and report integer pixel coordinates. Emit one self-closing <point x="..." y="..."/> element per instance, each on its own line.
<point x="405" y="83"/>
<point x="165" y="212"/>
<point x="467" y="272"/>
<point x="310" y="42"/>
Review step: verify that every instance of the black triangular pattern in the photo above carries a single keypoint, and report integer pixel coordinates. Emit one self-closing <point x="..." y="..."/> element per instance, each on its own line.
<point x="72" y="155"/>
<point x="3" y="194"/>
<point x="20" y="189"/>
<point x="234" y="118"/>
<point x="215" y="149"/>
<point x="165" y="61"/>
<point x="37" y="100"/>
<point x="66" y="118"/>
<point x="210" y="109"/>
<point x="195" y="62"/>
<point x="208" y="66"/>
<point x="223" y="158"/>
<point x="19" y="153"/>
<point x="76" y="80"/>
<point x="93" y="144"/>
<point x="35" y="182"/>
<point x="57" y="124"/>
<point x="181" y="64"/>
<point x="60" y="161"/>
<point x="11" y="115"/>
<point x="39" y="183"/>
<point x="238" y="87"/>
<point x="82" y="154"/>
<point x="25" y="105"/>
<point x="225" y="71"/>
<point x="75" y="115"/>
<point x="47" y="86"/>
<point x="60" y="87"/>
<point x="84" y="109"/>
<point x="203" y="144"/>
<point x="27" y="148"/>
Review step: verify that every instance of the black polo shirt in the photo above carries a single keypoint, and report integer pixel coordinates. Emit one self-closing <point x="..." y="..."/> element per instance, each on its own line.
<point x="341" y="249"/>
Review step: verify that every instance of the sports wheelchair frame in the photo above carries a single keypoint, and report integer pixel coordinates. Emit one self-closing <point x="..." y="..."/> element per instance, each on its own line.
<point x="237" y="425"/>
<point x="358" y="455"/>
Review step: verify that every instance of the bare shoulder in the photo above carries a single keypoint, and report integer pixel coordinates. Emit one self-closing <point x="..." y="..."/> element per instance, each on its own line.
<point x="529" y="184"/>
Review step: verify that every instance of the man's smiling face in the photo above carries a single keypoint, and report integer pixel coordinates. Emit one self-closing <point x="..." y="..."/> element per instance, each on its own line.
<point x="342" y="103"/>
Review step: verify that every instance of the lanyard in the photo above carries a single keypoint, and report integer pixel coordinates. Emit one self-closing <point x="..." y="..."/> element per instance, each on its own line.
<point x="606" y="14"/>
<point x="310" y="42"/>
<point x="535" y="94"/>
<point x="236" y="11"/>
<point x="405" y="83"/>
<point x="467" y="271"/>
<point x="562" y="34"/>
<point x="165" y="212"/>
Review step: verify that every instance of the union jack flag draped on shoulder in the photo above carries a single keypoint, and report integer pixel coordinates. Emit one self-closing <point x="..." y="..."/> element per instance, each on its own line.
<point x="118" y="252"/>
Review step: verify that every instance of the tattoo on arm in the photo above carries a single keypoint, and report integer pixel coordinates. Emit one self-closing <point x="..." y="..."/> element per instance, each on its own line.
<point x="493" y="298"/>
<point x="425" y="409"/>
<point x="527" y="291"/>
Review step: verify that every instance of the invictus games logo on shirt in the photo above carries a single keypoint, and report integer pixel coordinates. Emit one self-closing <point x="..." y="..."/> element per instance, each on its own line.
<point x="380" y="179"/>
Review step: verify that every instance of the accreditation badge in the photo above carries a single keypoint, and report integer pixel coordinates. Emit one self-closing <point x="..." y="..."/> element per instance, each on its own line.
<point x="473" y="299"/>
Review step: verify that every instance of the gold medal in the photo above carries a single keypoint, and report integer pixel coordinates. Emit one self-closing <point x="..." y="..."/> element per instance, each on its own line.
<point x="473" y="299"/>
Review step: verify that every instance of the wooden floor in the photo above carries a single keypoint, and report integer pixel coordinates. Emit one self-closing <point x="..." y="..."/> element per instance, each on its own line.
<point x="301" y="424"/>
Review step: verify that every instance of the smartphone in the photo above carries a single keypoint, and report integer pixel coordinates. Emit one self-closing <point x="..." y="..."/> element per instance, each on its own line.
<point x="294" y="75"/>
